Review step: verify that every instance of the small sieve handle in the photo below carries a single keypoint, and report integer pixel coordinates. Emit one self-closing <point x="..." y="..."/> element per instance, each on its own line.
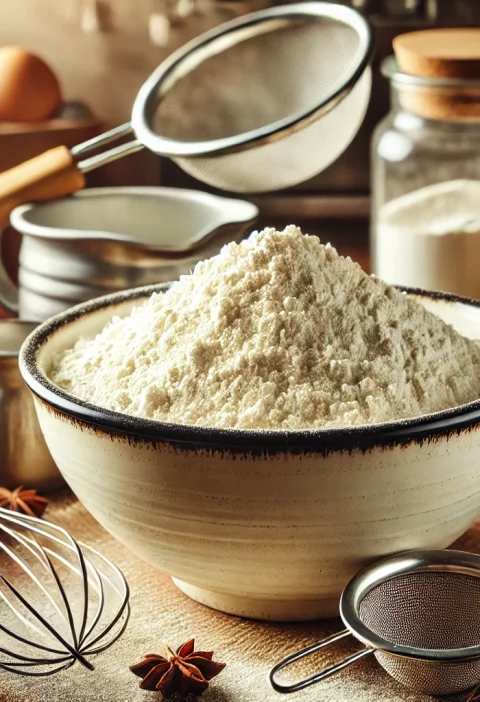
<point x="316" y="677"/>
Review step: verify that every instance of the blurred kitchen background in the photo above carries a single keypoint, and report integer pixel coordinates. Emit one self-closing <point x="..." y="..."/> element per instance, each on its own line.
<point x="102" y="51"/>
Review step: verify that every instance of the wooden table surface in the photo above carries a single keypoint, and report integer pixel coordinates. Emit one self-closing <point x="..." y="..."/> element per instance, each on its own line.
<point x="162" y="614"/>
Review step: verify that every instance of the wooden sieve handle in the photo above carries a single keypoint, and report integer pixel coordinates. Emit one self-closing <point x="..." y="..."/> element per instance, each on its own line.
<point x="52" y="174"/>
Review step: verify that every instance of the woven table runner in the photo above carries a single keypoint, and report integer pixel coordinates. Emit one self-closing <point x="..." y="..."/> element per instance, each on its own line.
<point x="162" y="614"/>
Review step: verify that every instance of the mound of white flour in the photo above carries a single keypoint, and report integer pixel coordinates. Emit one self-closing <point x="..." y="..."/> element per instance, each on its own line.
<point x="278" y="332"/>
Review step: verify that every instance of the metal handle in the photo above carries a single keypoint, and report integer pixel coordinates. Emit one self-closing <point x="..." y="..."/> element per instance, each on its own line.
<point x="316" y="677"/>
<point x="108" y="156"/>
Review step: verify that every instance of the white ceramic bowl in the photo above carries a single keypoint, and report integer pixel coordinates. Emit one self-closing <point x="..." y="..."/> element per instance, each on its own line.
<point x="262" y="524"/>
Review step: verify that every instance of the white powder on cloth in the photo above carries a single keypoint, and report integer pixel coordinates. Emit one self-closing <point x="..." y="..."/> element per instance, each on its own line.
<point x="278" y="332"/>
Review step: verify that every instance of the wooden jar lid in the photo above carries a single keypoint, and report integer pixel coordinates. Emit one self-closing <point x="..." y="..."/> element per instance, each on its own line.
<point x="439" y="53"/>
<point x="443" y="55"/>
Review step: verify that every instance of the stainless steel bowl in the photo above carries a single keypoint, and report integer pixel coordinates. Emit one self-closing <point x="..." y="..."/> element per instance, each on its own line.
<point x="24" y="456"/>
<point x="106" y="239"/>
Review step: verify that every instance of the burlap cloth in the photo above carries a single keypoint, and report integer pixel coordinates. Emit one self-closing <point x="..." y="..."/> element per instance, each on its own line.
<point x="160" y="613"/>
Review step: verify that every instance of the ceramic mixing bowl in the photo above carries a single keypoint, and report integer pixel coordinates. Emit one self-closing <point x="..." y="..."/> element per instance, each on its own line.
<point x="262" y="524"/>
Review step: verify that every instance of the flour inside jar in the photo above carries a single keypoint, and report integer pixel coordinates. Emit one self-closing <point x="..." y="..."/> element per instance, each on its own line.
<point x="277" y="332"/>
<point x="430" y="238"/>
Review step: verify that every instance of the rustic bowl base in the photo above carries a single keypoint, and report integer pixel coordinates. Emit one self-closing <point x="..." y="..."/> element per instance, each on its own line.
<point x="268" y="610"/>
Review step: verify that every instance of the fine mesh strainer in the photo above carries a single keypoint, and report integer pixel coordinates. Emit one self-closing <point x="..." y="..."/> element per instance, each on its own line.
<point x="260" y="103"/>
<point x="418" y="613"/>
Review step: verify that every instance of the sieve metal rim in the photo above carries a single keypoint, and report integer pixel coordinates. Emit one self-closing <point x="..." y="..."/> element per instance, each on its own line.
<point x="420" y="561"/>
<point x="204" y="46"/>
<point x="415" y="561"/>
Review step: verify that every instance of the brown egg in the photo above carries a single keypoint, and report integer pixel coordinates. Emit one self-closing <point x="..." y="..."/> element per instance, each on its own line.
<point x="29" y="90"/>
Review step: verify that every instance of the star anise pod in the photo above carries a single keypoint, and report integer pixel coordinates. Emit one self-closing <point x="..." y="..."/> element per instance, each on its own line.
<point x="186" y="671"/>
<point x="26" y="501"/>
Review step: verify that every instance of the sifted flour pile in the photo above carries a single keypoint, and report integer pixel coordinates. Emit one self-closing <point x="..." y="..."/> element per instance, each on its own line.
<point x="278" y="332"/>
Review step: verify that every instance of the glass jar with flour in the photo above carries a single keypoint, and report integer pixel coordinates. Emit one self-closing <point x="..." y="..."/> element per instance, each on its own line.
<point x="426" y="165"/>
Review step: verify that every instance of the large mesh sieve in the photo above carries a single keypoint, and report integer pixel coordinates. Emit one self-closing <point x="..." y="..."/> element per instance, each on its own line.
<point x="418" y="614"/>
<point x="260" y="103"/>
<point x="263" y="102"/>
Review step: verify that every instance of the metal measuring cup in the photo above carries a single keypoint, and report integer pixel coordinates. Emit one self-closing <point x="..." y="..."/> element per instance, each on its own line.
<point x="24" y="456"/>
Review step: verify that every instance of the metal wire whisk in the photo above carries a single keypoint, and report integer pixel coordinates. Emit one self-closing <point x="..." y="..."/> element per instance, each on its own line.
<point x="60" y="600"/>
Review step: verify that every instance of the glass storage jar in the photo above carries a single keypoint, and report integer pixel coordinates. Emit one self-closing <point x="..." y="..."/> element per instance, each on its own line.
<point x="425" y="224"/>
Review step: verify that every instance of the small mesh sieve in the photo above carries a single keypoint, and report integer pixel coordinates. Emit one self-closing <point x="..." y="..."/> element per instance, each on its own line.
<point x="418" y="614"/>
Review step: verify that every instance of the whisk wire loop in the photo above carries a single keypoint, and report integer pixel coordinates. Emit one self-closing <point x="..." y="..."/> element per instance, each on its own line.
<point x="76" y="654"/>
<point x="28" y="642"/>
<point x="83" y="604"/>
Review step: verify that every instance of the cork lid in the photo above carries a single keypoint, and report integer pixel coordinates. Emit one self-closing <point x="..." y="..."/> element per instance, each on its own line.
<point x="441" y="71"/>
<point x="439" y="53"/>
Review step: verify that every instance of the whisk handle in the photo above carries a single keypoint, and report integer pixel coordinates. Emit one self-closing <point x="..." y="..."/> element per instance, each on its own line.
<point x="321" y="675"/>
<point x="49" y="175"/>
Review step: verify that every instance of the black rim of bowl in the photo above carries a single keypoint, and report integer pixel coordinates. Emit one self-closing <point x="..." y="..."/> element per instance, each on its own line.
<point x="429" y="427"/>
